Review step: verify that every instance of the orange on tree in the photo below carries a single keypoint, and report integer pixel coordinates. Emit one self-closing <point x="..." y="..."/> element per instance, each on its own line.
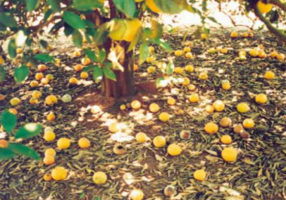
<point x="51" y="99"/>
<point x="192" y="87"/>
<point x="281" y="57"/>
<point x="189" y="55"/>
<point x="13" y="111"/>
<point x="233" y="34"/>
<point x="85" y="61"/>
<point x="264" y="7"/>
<point x="179" y="52"/>
<point x="83" y="143"/>
<point x="211" y="128"/>
<point x="113" y="127"/>
<point x="186" y="81"/>
<point x="179" y="70"/>
<point x="15" y="101"/>
<point x="59" y="173"/>
<point x="152" y="6"/>
<point x="45" y="81"/>
<point x="187" y="49"/>
<point x="36" y="94"/>
<point x="34" y="84"/>
<point x="253" y="52"/>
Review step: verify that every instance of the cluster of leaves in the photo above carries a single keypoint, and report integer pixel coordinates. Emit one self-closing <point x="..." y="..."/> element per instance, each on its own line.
<point x="9" y="122"/>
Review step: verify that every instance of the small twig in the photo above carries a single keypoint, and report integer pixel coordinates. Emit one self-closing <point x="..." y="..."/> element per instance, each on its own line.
<point x="234" y="23"/>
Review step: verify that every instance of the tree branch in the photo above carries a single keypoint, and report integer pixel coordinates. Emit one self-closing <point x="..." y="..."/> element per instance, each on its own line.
<point x="41" y="25"/>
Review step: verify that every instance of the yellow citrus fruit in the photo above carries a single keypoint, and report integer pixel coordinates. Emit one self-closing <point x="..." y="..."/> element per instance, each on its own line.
<point x="219" y="105"/>
<point x="174" y="150"/>
<point x="154" y="107"/>
<point x="42" y="68"/>
<point x="2" y="97"/>
<point x="194" y="98"/>
<point x="224" y="51"/>
<point x="189" y="55"/>
<point x="210" y="109"/>
<point x="159" y="141"/>
<point x="47" y="177"/>
<point x="135" y="67"/>
<point x="77" y="54"/>
<point x="152" y="6"/>
<point x="33" y="101"/>
<point x="49" y="160"/>
<point x="49" y="136"/>
<point x="19" y="50"/>
<point x="203" y="36"/>
<point x="85" y="61"/>
<point x="1" y="60"/>
<point x="192" y="87"/>
<point x="141" y="137"/>
<point x="187" y="49"/>
<point x="164" y="116"/>
<point x="99" y="178"/>
<point x="264" y="8"/>
<point x="273" y="54"/>
<point x="15" y="101"/>
<point x="211" y="128"/>
<point x="171" y="101"/>
<point x="189" y="68"/>
<point x="36" y="94"/>
<point x="50" y="76"/>
<point x="200" y="175"/>
<point x="253" y="52"/>
<point x="34" y="84"/>
<point x="135" y="104"/>
<point x="245" y="35"/>
<point x="136" y="195"/>
<point x="186" y="81"/>
<point x="84" y="75"/>
<point x="13" y="111"/>
<point x="211" y="50"/>
<point x="248" y="123"/>
<point x="178" y="52"/>
<point x="179" y="70"/>
<point x="3" y="144"/>
<point x="50" y="152"/>
<point x="261" y="98"/>
<point x="51" y="99"/>
<point x="45" y="81"/>
<point x="39" y="76"/>
<point x="269" y="75"/>
<point x="84" y="143"/>
<point x="51" y="116"/>
<point x="59" y="173"/>
<point x="242" y="107"/>
<point x="151" y="48"/>
<point x="226" y="139"/>
<point x="203" y="76"/>
<point x="50" y="47"/>
<point x="229" y="154"/>
<point x="225" y="85"/>
<point x="150" y="59"/>
<point x="73" y="81"/>
<point x="233" y="34"/>
<point x="238" y="128"/>
<point x="151" y="70"/>
<point x="63" y="143"/>
<point x="123" y="107"/>
<point x="113" y="128"/>
<point x="225" y="122"/>
<point x="78" y="67"/>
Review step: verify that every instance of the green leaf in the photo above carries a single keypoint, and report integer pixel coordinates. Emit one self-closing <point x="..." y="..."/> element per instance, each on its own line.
<point x="135" y="41"/>
<point x="2" y="74"/>
<point x="89" y="68"/>
<point x="73" y="20"/>
<point x="86" y="4"/>
<point x="6" y="154"/>
<point x="144" y="52"/>
<point x="8" y="20"/>
<point x="77" y="38"/>
<point x="128" y="7"/>
<point x="32" y="5"/>
<point x="170" y="68"/>
<point x="12" y="48"/>
<point x="100" y="35"/>
<point x="48" y="14"/>
<point x="97" y="73"/>
<point x="24" y="150"/>
<point x="44" y="57"/>
<point x="8" y="121"/>
<point x="172" y="6"/>
<point x="28" y="131"/>
<point x="55" y="5"/>
<point x="44" y="43"/>
<point x="21" y="73"/>
<point x="162" y="44"/>
<point x="68" y="30"/>
<point x="90" y="54"/>
<point x="157" y="29"/>
<point x="158" y="81"/>
<point x="102" y="55"/>
<point x="108" y="73"/>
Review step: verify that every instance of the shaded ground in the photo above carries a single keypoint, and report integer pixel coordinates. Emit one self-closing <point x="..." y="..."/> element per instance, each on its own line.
<point x="259" y="172"/>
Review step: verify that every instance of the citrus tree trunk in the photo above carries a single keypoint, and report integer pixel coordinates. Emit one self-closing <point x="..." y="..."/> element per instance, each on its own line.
<point x="124" y="85"/>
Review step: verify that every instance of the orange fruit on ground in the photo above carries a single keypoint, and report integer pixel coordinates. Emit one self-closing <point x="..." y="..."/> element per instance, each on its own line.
<point x="51" y="99"/>
<point x="225" y="84"/>
<point x="50" y="76"/>
<point x="187" y="49"/>
<point x="113" y="128"/>
<point x="39" y="76"/>
<point x="229" y="154"/>
<point x="33" y="101"/>
<point x="171" y="101"/>
<point x="211" y="128"/>
<point x="84" y="143"/>
<point x="281" y="57"/>
<point x="3" y="144"/>
<point x="210" y="109"/>
<point x="34" y="84"/>
<point x="242" y="107"/>
<point x="50" y="152"/>
<point x="135" y="104"/>
<point x="225" y="122"/>
<point x="76" y="54"/>
<point x="273" y="54"/>
<point x="179" y="70"/>
<point x="13" y="111"/>
<point x="233" y="34"/>
<point x="224" y="50"/>
<point x="203" y="36"/>
<point x="19" y="50"/>
<point x="154" y="107"/>
<point x="99" y="178"/>
<point x="150" y="59"/>
<point x="186" y="81"/>
<point x="261" y="54"/>
<point x="42" y="68"/>
<point x="159" y="141"/>
<point x="36" y="94"/>
<point x="192" y="87"/>
<point x="84" y="75"/>
<point x="85" y="61"/>
<point x="203" y="76"/>
<point x="264" y="8"/>
<point x="189" y="68"/>
<point x="2" y="97"/>
<point x="73" y="81"/>
<point x="49" y="136"/>
<point x="47" y="177"/>
<point x="59" y="173"/>
<point x="261" y="98"/>
<point x="15" y="101"/>
<point x="136" y="195"/>
<point x="194" y="98"/>
<point x="189" y="55"/>
<point x="248" y="123"/>
<point x="238" y="128"/>
<point x="135" y="67"/>
<point x="174" y="150"/>
<point x="151" y="48"/>
<point x="63" y="143"/>
<point x="123" y="107"/>
<point x="164" y="117"/>
<point x="78" y="67"/>
<point x="253" y="52"/>
<point x="49" y="160"/>
<point x="269" y="75"/>
<point x="151" y="70"/>
<point x="141" y="137"/>
<point x="45" y="81"/>
<point x="179" y="52"/>
<point x="219" y="105"/>
<point x="226" y="139"/>
<point x="245" y="35"/>
<point x="200" y="175"/>
<point x="51" y="116"/>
